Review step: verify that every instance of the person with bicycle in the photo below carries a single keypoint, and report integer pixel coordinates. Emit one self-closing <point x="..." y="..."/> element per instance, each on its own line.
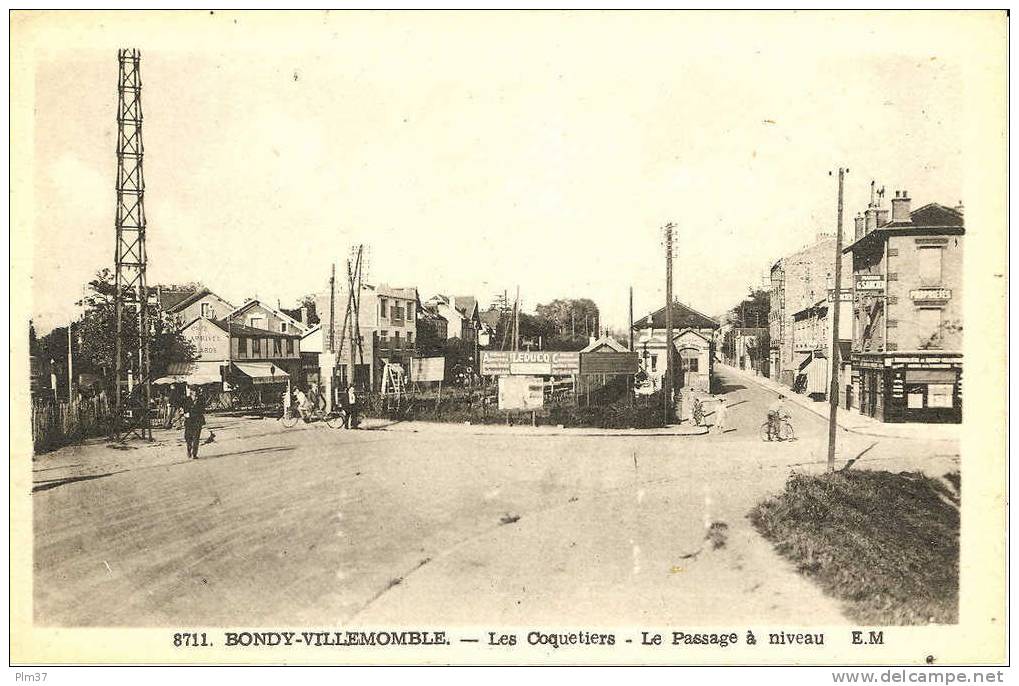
<point x="777" y="413"/>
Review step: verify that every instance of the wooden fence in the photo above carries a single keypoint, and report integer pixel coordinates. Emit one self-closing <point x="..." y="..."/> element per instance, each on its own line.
<point x="61" y="423"/>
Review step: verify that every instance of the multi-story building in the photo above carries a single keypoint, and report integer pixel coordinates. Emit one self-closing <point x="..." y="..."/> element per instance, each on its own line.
<point x="798" y="282"/>
<point x="239" y="354"/>
<point x="907" y="335"/>
<point x="812" y="340"/>
<point x="386" y="324"/>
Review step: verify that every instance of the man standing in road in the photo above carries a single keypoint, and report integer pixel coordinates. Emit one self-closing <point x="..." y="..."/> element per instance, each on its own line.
<point x="720" y="414"/>
<point x="194" y="420"/>
<point x="351" y="407"/>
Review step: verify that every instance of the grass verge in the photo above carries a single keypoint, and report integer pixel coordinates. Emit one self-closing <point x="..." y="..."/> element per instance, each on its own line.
<point x="886" y="545"/>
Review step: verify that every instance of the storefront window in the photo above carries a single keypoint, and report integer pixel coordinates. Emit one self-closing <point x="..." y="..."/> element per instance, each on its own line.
<point x="939" y="395"/>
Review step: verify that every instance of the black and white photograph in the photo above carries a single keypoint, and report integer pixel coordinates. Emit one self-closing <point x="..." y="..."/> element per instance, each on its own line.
<point x="515" y="337"/>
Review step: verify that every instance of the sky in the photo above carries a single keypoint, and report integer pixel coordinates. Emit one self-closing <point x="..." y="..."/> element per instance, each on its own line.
<point x="478" y="153"/>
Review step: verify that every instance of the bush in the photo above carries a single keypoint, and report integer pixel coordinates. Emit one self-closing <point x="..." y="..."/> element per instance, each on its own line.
<point x="885" y="544"/>
<point x="479" y="406"/>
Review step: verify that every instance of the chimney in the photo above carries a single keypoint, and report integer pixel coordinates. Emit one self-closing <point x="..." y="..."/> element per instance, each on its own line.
<point x="900" y="207"/>
<point x="859" y="220"/>
<point x="591" y="339"/>
<point x="870" y="218"/>
<point x="882" y="216"/>
<point x="304" y="314"/>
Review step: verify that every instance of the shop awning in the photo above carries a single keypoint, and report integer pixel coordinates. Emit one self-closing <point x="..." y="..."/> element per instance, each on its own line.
<point x="262" y="372"/>
<point x="815" y="369"/>
<point x="192" y="373"/>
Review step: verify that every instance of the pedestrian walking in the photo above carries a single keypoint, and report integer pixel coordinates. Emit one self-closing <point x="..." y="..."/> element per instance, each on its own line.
<point x="194" y="420"/>
<point x="721" y="411"/>
<point x="698" y="412"/>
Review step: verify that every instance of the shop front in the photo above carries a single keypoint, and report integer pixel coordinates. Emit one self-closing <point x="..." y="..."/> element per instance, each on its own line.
<point x="913" y="387"/>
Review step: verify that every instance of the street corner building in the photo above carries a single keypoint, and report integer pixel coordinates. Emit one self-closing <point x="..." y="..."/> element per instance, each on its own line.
<point x="693" y="341"/>
<point x="907" y="313"/>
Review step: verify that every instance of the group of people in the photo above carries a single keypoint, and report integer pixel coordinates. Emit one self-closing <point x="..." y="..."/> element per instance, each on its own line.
<point x="777" y="413"/>
<point x="304" y="405"/>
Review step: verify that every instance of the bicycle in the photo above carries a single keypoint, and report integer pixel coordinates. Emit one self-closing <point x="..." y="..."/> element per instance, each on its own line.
<point x="785" y="431"/>
<point x="334" y="420"/>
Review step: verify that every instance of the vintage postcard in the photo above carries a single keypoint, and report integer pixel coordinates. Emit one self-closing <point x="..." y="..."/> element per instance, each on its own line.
<point x="554" y="337"/>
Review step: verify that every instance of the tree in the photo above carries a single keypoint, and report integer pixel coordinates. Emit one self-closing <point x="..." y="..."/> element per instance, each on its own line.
<point x="308" y="302"/>
<point x="97" y="334"/>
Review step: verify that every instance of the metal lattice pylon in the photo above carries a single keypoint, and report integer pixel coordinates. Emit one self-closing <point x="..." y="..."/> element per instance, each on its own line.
<point x="131" y="292"/>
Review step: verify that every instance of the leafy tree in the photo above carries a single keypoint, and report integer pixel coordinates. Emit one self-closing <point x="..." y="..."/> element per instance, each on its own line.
<point x="97" y="333"/>
<point x="308" y="302"/>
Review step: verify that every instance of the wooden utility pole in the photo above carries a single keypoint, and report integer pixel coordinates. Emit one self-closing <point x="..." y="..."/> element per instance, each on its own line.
<point x="631" y="318"/>
<point x="332" y="310"/>
<point x="667" y="379"/>
<point x="70" y="367"/>
<point x="833" y="391"/>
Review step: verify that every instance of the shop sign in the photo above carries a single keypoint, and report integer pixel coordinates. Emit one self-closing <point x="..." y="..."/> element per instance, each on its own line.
<point x="521" y="392"/>
<point x="870" y="282"/>
<point x="845" y="296"/>
<point x="931" y="294"/>
<point x="530" y="363"/>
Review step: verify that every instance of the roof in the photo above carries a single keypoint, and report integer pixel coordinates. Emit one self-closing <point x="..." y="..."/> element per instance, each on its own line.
<point x="605" y="342"/>
<point x="281" y="315"/>
<point x="169" y="299"/>
<point x="467" y="304"/>
<point x="245" y="330"/>
<point x="932" y="218"/>
<point x="683" y="317"/>
<point x="385" y="290"/>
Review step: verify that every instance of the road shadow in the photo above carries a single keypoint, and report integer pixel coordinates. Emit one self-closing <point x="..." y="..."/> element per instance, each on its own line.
<point x="722" y="387"/>
<point x="860" y="454"/>
<point x="253" y="451"/>
<point x="49" y="484"/>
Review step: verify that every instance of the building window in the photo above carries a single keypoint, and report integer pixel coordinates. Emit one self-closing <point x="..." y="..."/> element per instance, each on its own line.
<point x="397" y="312"/>
<point x="256" y="347"/>
<point x="410" y="310"/>
<point x="207" y="311"/>
<point x="929" y="266"/>
<point x="277" y="347"/>
<point x="382" y="308"/>
<point x="383" y="337"/>
<point x="283" y="327"/>
<point x="290" y="347"/>
<point x="242" y="346"/>
<point x="410" y="338"/>
<point x="690" y="364"/>
<point x="256" y="322"/>
<point x="928" y="327"/>
<point x="396" y="340"/>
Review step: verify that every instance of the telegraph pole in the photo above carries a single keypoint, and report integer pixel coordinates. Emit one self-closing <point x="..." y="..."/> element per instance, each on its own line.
<point x="70" y="366"/>
<point x="667" y="379"/>
<point x="833" y="391"/>
<point x="332" y="310"/>
<point x="631" y="318"/>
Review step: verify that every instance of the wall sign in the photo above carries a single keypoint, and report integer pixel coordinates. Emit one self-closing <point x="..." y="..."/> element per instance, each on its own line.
<point x="931" y="294"/>
<point x="530" y="363"/>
